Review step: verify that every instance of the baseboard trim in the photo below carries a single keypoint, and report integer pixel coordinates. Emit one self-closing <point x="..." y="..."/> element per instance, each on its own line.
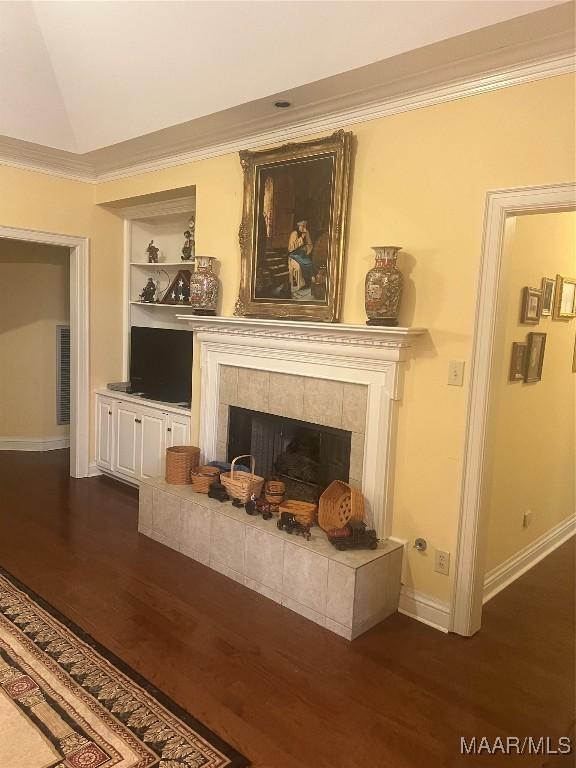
<point x="425" y="608"/>
<point x="33" y="443"/>
<point x="507" y="572"/>
<point x="94" y="470"/>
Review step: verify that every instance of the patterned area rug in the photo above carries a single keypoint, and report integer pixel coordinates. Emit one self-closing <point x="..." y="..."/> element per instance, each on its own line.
<point x="66" y="702"/>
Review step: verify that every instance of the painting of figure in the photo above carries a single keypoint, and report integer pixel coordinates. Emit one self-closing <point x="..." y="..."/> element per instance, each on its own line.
<point x="293" y="229"/>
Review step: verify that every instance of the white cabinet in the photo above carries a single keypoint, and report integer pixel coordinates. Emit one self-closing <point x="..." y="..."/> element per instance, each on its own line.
<point x="153" y="437"/>
<point x="104" y="427"/>
<point x="131" y="438"/>
<point x="127" y="432"/>
<point x="179" y="430"/>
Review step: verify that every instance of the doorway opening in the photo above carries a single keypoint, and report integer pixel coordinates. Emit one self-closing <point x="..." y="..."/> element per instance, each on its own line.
<point x="61" y="392"/>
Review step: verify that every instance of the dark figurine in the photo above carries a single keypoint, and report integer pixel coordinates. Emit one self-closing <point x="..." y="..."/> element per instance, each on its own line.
<point x="264" y="508"/>
<point x="152" y="252"/>
<point x="189" y="247"/>
<point x="251" y="506"/>
<point x="218" y="491"/>
<point x="148" y="295"/>
<point x="354" y="535"/>
<point x="288" y="523"/>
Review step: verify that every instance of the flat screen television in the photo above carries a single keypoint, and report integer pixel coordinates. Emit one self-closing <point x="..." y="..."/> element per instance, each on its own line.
<point x="161" y="364"/>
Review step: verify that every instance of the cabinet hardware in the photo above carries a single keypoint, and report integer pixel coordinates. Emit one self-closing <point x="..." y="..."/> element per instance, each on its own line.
<point x="109" y="413"/>
<point x="138" y="421"/>
<point x="169" y="429"/>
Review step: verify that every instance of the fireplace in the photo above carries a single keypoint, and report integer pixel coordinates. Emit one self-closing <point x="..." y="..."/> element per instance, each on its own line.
<point x="306" y="457"/>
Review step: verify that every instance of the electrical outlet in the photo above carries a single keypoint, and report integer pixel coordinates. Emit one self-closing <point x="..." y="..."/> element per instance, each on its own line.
<point x="527" y="518"/>
<point x="442" y="562"/>
<point x="456" y="373"/>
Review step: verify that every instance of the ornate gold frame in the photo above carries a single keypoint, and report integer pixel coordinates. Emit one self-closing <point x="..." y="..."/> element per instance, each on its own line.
<point x="338" y="145"/>
<point x="558" y="314"/>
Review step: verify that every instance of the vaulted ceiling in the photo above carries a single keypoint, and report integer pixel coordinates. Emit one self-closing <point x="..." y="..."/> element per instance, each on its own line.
<point x="80" y="76"/>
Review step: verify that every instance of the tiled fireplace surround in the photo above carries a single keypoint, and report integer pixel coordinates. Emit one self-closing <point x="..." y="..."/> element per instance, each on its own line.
<point x="347" y="377"/>
<point x="317" y="401"/>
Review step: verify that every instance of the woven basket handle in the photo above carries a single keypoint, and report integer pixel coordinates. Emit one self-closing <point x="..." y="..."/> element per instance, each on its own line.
<point x="244" y="456"/>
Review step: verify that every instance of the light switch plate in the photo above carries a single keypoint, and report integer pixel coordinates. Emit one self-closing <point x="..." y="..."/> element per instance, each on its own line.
<point x="456" y="373"/>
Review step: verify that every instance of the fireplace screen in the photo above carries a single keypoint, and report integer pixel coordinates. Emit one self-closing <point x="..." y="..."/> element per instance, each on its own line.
<point x="307" y="457"/>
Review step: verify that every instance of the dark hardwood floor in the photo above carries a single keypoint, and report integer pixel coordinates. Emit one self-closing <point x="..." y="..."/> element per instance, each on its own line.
<point x="283" y="691"/>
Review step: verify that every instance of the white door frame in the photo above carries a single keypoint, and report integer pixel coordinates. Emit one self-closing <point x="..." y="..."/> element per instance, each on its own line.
<point x="470" y="561"/>
<point x="79" y="338"/>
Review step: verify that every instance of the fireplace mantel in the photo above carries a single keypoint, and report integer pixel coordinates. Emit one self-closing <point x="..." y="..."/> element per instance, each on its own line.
<point x="386" y="342"/>
<point x="370" y="356"/>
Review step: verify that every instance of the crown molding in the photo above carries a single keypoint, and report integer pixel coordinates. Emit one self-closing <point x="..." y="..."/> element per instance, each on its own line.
<point x="161" y="151"/>
<point x="346" y="117"/>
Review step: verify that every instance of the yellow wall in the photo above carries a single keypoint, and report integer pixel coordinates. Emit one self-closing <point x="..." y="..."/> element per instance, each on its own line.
<point x="420" y="180"/>
<point x="531" y="426"/>
<point x="35" y="282"/>
<point x="37" y="201"/>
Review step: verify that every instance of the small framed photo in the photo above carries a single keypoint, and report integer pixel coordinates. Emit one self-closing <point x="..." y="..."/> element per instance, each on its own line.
<point x="518" y="361"/>
<point x="531" y="306"/>
<point x="548" y="285"/>
<point x="565" y="298"/>
<point x="534" y="357"/>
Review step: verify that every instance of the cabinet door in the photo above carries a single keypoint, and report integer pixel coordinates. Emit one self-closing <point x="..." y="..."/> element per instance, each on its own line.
<point x="178" y="430"/>
<point x="153" y="444"/>
<point x="104" y="432"/>
<point x="128" y="434"/>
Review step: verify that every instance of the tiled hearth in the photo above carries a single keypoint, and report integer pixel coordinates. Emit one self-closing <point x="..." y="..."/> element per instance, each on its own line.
<point x="316" y="401"/>
<point x="346" y="592"/>
<point x="340" y="376"/>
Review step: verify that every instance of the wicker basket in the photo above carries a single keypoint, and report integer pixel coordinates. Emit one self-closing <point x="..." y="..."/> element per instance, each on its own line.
<point x="203" y="478"/>
<point x="275" y="492"/>
<point x="339" y="504"/>
<point x="303" y="511"/>
<point x="180" y="461"/>
<point x="241" y="485"/>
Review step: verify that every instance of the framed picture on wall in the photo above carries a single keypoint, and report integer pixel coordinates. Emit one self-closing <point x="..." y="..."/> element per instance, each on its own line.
<point x="293" y="230"/>
<point x="518" y="361"/>
<point x="534" y="357"/>
<point x="565" y="298"/>
<point x="531" y="305"/>
<point x="547" y="296"/>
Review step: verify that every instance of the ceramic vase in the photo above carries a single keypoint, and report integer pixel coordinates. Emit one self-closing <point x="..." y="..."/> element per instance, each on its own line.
<point x="204" y="287"/>
<point x="383" y="287"/>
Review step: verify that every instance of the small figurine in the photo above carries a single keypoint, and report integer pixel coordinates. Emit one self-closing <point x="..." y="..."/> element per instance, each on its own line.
<point x="354" y="535"/>
<point x="264" y="508"/>
<point x="250" y="506"/>
<point x="152" y="252"/>
<point x="148" y="295"/>
<point x="289" y="524"/>
<point x="189" y="247"/>
<point x="218" y="491"/>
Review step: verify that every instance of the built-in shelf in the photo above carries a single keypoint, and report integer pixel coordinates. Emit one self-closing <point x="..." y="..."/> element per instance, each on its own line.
<point x="149" y="304"/>
<point x="159" y="264"/>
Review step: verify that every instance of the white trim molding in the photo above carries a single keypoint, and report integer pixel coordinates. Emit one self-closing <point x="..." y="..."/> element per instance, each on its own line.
<point x="368" y="93"/>
<point x="79" y="337"/>
<point x="469" y="568"/>
<point x="371" y="356"/>
<point x="511" y="569"/>
<point x="425" y="608"/>
<point x="33" y="443"/>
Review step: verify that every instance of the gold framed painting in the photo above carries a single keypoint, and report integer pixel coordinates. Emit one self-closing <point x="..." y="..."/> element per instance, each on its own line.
<point x="518" y="361"/>
<point x="531" y="306"/>
<point x="547" y="296"/>
<point x="534" y="357"/>
<point x="293" y="230"/>
<point x="565" y="298"/>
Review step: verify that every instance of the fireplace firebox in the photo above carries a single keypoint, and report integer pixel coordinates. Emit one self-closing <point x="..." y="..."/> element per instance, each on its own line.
<point x="307" y="457"/>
